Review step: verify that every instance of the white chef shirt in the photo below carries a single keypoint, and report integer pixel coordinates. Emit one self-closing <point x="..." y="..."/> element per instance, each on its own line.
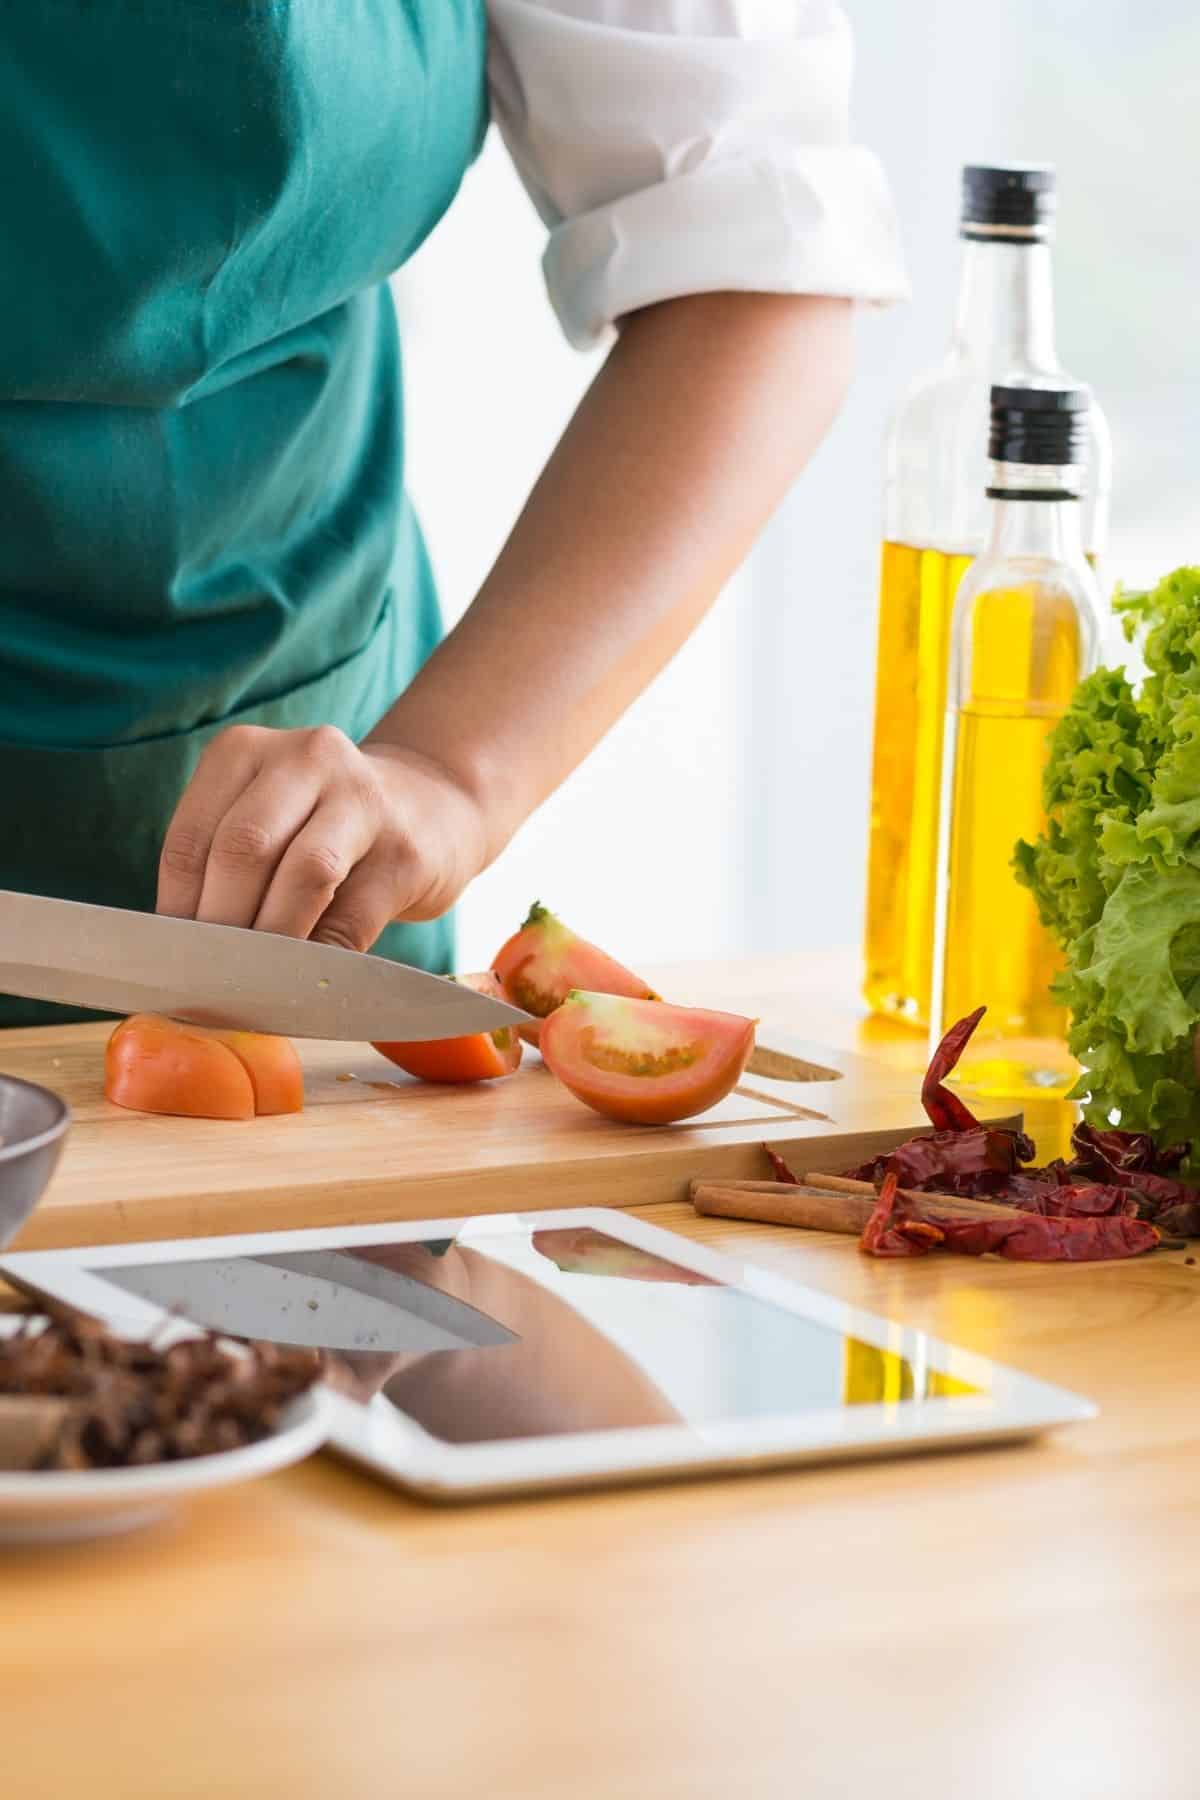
<point x="687" y="146"/>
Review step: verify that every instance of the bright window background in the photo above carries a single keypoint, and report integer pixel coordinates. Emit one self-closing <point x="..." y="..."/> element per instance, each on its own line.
<point x="727" y="813"/>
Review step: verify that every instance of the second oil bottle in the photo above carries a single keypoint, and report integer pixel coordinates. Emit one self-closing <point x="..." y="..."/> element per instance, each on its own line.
<point x="936" y="515"/>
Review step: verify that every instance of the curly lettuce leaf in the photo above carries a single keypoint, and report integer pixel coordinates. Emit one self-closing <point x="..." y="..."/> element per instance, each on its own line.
<point x="1116" y="874"/>
<point x="1097" y="775"/>
<point x="1167" y="832"/>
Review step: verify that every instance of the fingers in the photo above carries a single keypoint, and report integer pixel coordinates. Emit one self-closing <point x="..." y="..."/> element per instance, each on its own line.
<point x="363" y="906"/>
<point x="318" y="861"/>
<point x="227" y="766"/>
<point x="249" y="843"/>
<point x="269" y="827"/>
<point x="397" y="879"/>
<point x="302" y="833"/>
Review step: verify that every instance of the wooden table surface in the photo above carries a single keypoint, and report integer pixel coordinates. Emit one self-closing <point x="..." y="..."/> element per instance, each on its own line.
<point x="1003" y="1623"/>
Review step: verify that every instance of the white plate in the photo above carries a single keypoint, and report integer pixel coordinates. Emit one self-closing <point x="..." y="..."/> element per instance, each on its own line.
<point x="54" y="1506"/>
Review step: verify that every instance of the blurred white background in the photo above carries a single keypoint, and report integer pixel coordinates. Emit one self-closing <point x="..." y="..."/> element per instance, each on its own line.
<point x="727" y="813"/>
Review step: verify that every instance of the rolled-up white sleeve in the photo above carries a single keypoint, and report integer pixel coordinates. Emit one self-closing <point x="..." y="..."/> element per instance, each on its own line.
<point x="687" y="146"/>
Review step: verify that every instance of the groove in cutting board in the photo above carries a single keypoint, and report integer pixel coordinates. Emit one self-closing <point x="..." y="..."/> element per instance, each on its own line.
<point x="780" y="1065"/>
<point x="798" y="1112"/>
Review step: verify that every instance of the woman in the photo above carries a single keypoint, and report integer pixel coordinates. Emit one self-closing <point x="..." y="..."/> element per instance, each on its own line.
<point x="219" y="686"/>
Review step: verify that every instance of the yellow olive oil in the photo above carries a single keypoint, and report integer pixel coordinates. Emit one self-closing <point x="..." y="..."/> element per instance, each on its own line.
<point x="916" y="603"/>
<point x="1024" y="659"/>
<point x="937" y="516"/>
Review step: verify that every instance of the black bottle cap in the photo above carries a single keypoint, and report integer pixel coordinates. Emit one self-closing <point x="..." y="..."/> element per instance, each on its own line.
<point x="1045" y="425"/>
<point x="1014" y="204"/>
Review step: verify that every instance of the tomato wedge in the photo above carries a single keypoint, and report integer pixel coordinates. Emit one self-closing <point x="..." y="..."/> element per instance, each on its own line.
<point x="545" y="961"/>
<point x="480" y="1057"/>
<point x="273" y="1066"/>
<point x="158" y="1065"/>
<point x="642" y="1061"/>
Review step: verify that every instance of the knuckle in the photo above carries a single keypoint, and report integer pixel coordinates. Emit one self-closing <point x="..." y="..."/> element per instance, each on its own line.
<point x="365" y="791"/>
<point x="320" y="866"/>
<point x="424" y="886"/>
<point x="184" y="851"/>
<point x="430" y="901"/>
<point x="235" y="740"/>
<point x="348" y="931"/>
<point x="243" y="844"/>
<point x="408" y="854"/>
<point x="327" y="745"/>
<point x="400" y="849"/>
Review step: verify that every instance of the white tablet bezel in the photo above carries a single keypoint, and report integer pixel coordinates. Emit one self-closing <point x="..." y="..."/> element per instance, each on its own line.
<point x="1013" y="1405"/>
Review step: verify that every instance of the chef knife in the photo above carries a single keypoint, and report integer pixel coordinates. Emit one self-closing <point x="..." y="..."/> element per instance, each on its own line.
<point x="321" y="1299"/>
<point x="114" y="961"/>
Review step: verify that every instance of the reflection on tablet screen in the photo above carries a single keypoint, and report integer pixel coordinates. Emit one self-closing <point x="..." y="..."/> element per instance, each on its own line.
<point x="533" y="1333"/>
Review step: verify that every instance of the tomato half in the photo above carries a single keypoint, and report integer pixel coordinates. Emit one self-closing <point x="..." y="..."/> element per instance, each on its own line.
<point x="642" y="1061"/>
<point x="544" y="961"/>
<point x="274" y="1068"/>
<point x="480" y="1057"/>
<point x="158" y="1065"/>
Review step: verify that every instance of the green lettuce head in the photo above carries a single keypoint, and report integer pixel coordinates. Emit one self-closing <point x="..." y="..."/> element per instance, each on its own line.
<point x="1116" y="874"/>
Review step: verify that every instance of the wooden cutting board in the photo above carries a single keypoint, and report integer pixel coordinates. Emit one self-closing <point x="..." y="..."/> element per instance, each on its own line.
<point x="374" y="1145"/>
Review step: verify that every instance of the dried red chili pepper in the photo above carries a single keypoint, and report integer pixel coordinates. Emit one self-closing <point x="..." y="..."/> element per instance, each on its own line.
<point x="1090" y="1200"/>
<point x="1180" y="1220"/>
<point x="880" y="1220"/>
<point x="946" y="1111"/>
<point x="960" y="1156"/>
<point x="1068" y="1200"/>
<point x="1033" y="1185"/>
<point x="1027" y="1238"/>
<point x="1132" y="1160"/>
<point x="779" y="1168"/>
<point x="1157" y="1191"/>
<point x="889" y="1233"/>
<point x="979" y="1161"/>
<point x="1104" y="1203"/>
<point x="1127" y="1151"/>
<point x="922" y="1232"/>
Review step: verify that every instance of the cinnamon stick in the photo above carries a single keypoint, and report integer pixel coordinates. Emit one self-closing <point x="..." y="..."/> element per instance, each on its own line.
<point x="827" y="1203"/>
<point x="776" y="1203"/>
<point x="838" y="1184"/>
<point x="959" y="1206"/>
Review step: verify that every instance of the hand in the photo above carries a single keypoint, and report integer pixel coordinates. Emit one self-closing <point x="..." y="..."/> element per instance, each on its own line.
<point x="305" y="834"/>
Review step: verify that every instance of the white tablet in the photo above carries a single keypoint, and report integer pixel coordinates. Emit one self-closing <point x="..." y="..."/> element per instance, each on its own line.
<point x="517" y="1352"/>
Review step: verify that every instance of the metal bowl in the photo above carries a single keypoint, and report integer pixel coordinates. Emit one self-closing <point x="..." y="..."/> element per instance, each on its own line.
<point x="33" y="1125"/>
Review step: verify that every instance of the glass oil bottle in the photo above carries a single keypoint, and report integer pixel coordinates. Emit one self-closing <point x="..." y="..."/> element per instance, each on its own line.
<point x="935" y="522"/>
<point x="1026" y="629"/>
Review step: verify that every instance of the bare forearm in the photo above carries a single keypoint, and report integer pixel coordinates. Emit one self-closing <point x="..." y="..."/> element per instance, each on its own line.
<point x="698" y="422"/>
<point x="694" y="428"/>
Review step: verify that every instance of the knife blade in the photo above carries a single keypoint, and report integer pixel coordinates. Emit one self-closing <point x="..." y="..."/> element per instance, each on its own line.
<point x="114" y="961"/>
<point x="321" y="1299"/>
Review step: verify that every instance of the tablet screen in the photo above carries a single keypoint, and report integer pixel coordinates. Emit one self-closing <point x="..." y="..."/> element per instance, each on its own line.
<point x="524" y="1332"/>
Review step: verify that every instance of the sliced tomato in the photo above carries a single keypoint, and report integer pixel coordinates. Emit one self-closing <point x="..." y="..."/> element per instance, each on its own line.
<point x="158" y="1065"/>
<point x="274" y="1068"/>
<point x="480" y="1057"/>
<point x="544" y="961"/>
<point x="154" y="1065"/>
<point x="642" y="1061"/>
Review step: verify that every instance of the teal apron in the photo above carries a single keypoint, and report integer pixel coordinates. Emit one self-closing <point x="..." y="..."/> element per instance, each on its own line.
<point x="202" y="509"/>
